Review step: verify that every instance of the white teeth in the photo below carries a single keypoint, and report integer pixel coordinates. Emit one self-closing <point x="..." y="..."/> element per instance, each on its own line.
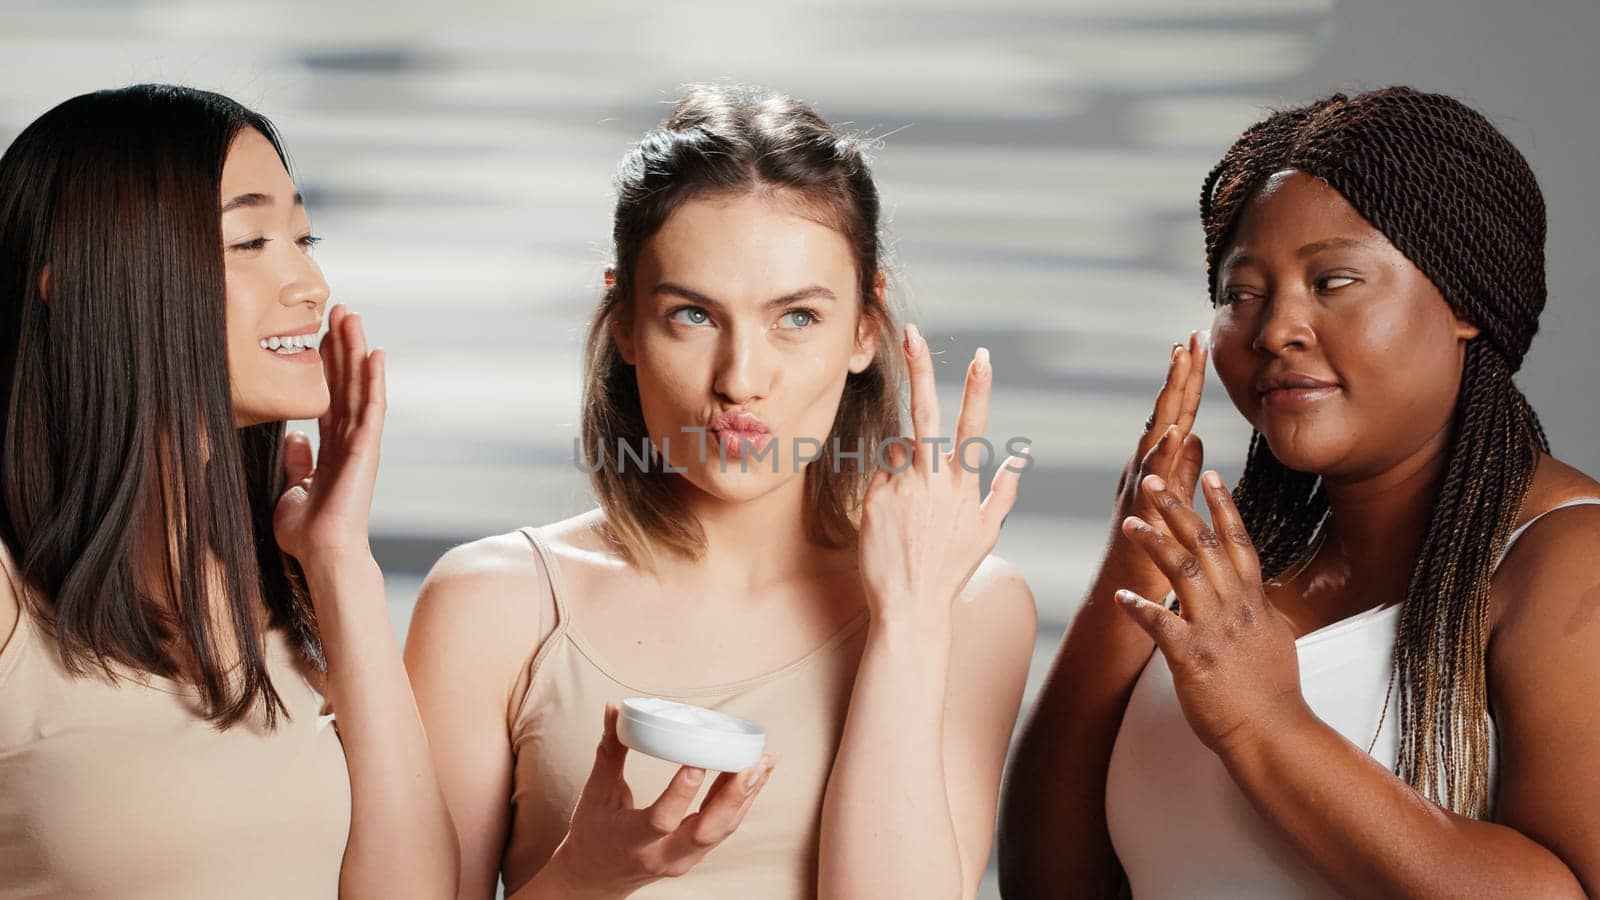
<point x="288" y="345"/>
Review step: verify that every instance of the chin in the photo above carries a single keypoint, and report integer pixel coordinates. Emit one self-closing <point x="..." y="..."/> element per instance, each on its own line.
<point x="1306" y="447"/>
<point x="283" y="409"/>
<point x="734" y="486"/>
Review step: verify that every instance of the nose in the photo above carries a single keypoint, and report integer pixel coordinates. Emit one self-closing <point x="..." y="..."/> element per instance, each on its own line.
<point x="744" y="367"/>
<point x="303" y="283"/>
<point x="1287" y="320"/>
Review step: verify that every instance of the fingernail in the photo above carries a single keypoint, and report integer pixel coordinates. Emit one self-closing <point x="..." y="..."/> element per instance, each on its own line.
<point x="754" y="778"/>
<point x="913" y="339"/>
<point x="694" y="776"/>
<point x="1127" y="597"/>
<point x="980" y="361"/>
<point x="1175" y="348"/>
<point x="1205" y="339"/>
<point x="1155" y="483"/>
<point x="1212" y="480"/>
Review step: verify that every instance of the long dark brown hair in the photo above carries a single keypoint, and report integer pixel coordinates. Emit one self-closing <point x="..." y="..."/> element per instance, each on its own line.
<point x="118" y="411"/>
<point x="1452" y="194"/>
<point x="722" y="140"/>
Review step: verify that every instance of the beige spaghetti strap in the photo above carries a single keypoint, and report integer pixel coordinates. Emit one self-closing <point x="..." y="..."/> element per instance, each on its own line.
<point x="552" y="574"/>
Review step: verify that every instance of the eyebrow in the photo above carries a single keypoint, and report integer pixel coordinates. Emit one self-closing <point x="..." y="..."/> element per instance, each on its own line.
<point x="1319" y="246"/>
<point x="812" y="292"/>
<point x="244" y="201"/>
<point x="1306" y="250"/>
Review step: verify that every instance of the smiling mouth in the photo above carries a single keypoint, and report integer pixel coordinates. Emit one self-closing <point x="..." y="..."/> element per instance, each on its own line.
<point x="290" y="345"/>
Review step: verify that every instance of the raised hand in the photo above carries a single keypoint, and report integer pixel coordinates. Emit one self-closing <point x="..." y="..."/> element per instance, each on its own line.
<point x="613" y="849"/>
<point x="1168" y="448"/>
<point x="325" y="510"/>
<point x="1232" y="654"/>
<point x="924" y="528"/>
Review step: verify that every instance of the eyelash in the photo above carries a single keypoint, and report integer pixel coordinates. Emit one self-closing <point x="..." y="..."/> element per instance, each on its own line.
<point x="1229" y="297"/>
<point x="305" y="242"/>
<point x="672" y="315"/>
<point x="811" y="314"/>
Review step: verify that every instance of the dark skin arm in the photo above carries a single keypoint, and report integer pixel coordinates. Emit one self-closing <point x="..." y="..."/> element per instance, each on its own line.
<point x="1052" y="831"/>
<point x="1237" y="676"/>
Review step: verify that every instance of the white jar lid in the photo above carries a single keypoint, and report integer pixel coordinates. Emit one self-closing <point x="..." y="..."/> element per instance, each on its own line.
<point x="690" y="735"/>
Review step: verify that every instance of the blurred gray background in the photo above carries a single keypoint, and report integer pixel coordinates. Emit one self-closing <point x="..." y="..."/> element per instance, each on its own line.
<point x="1040" y="174"/>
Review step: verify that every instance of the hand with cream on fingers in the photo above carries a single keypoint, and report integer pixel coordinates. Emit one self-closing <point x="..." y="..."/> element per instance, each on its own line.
<point x="1232" y="655"/>
<point x="924" y="529"/>
<point x="612" y="848"/>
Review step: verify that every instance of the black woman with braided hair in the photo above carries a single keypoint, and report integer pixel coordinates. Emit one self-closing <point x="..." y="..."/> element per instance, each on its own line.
<point x="1375" y="676"/>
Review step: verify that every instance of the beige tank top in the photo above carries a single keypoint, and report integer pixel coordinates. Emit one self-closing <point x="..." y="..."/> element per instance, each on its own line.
<point x="122" y="790"/>
<point x="555" y="719"/>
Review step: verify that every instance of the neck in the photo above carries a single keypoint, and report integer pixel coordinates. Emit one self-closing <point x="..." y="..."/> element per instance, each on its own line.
<point x="1377" y="521"/>
<point x="155" y="550"/>
<point x="750" y="544"/>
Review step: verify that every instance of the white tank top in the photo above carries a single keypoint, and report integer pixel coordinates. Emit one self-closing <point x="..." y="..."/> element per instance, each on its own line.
<point x="1182" y="828"/>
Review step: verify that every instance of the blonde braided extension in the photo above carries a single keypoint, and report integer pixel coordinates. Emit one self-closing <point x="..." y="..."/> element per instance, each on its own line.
<point x="1452" y="194"/>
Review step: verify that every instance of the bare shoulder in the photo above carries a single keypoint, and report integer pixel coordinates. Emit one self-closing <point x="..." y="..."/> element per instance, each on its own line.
<point x="492" y="591"/>
<point x="1550" y="577"/>
<point x="478" y="609"/>
<point x="998" y="604"/>
<point x="489" y="576"/>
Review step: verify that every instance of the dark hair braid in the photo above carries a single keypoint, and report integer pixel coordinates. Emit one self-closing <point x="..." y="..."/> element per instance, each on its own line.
<point x="1452" y="194"/>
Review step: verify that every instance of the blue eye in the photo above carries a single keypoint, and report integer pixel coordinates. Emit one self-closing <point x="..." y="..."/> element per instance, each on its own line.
<point x="689" y="315"/>
<point x="802" y="318"/>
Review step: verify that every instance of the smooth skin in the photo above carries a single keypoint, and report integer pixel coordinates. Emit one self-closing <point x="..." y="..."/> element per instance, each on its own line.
<point x="401" y="843"/>
<point x="748" y="304"/>
<point x="1310" y="286"/>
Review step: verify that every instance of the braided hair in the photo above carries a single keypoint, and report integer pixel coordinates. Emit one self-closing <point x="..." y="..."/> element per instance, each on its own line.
<point x="1452" y="194"/>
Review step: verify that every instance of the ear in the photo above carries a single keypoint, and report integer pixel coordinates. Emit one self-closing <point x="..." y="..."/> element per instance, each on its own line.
<point x="1466" y="331"/>
<point x="622" y="336"/>
<point x="868" y="325"/>
<point x="44" y="284"/>
<point x="619" y="326"/>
